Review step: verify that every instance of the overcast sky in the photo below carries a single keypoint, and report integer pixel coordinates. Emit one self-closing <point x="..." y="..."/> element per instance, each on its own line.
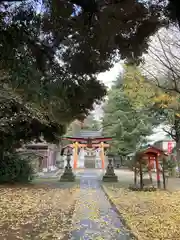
<point x="107" y="78"/>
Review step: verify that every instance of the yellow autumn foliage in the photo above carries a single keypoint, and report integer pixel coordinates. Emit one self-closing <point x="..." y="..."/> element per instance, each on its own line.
<point x="137" y="89"/>
<point x="150" y="215"/>
<point x="145" y="94"/>
<point x="36" y="211"/>
<point x="165" y="100"/>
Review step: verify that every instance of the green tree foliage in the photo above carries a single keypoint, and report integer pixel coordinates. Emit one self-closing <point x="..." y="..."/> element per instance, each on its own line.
<point x="40" y="95"/>
<point x="86" y="42"/>
<point x="20" y="124"/>
<point x="170" y="165"/>
<point x="39" y="92"/>
<point x="122" y="122"/>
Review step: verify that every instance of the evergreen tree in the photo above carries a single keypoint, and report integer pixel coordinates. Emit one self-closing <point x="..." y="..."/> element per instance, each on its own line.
<point x="124" y="124"/>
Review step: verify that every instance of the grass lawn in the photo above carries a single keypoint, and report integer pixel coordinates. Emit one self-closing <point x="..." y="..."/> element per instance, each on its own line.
<point x="150" y="215"/>
<point x="37" y="211"/>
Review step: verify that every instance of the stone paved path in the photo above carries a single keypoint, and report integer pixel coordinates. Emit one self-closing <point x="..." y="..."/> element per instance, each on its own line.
<point x="94" y="217"/>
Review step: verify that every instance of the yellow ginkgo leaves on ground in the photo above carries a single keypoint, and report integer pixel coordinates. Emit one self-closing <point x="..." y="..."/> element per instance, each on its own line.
<point x="151" y="215"/>
<point x="35" y="213"/>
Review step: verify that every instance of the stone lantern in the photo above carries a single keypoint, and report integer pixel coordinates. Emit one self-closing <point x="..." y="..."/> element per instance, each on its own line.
<point x="68" y="175"/>
<point x="110" y="175"/>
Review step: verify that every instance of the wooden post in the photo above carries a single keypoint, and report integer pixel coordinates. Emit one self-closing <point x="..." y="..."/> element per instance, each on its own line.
<point x="157" y="172"/>
<point x="163" y="173"/>
<point x="102" y="154"/>
<point x="75" y="145"/>
<point x="141" y="174"/>
<point x="149" y="169"/>
<point x="135" y="175"/>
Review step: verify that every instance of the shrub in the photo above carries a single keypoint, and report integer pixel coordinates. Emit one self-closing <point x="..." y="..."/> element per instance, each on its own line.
<point x="170" y="165"/>
<point x="15" y="169"/>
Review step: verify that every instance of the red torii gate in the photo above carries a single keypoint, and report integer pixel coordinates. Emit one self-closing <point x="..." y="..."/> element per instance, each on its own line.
<point x="99" y="142"/>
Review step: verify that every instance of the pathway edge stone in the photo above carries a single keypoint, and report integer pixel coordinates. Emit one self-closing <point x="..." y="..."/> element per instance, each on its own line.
<point x="132" y="230"/>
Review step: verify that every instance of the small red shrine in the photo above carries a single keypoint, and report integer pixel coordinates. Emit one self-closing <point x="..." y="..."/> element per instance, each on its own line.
<point x="150" y="157"/>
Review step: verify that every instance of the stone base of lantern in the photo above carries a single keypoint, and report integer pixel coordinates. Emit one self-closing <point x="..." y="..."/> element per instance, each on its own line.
<point x="110" y="178"/>
<point x="67" y="176"/>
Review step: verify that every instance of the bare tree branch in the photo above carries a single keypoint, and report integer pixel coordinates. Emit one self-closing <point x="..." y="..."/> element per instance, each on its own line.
<point x="170" y="133"/>
<point x="162" y="63"/>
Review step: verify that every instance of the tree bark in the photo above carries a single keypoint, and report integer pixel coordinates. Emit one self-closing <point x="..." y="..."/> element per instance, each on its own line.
<point x="135" y="175"/>
<point x="178" y="156"/>
<point x="176" y="137"/>
<point x="121" y="161"/>
<point x="163" y="173"/>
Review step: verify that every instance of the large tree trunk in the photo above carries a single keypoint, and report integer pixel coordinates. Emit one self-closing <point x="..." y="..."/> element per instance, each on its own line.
<point x="121" y="161"/>
<point x="135" y="175"/>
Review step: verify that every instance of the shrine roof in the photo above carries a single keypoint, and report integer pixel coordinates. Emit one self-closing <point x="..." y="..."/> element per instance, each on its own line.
<point x="89" y="134"/>
<point x="152" y="149"/>
<point x="84" y="135"/>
